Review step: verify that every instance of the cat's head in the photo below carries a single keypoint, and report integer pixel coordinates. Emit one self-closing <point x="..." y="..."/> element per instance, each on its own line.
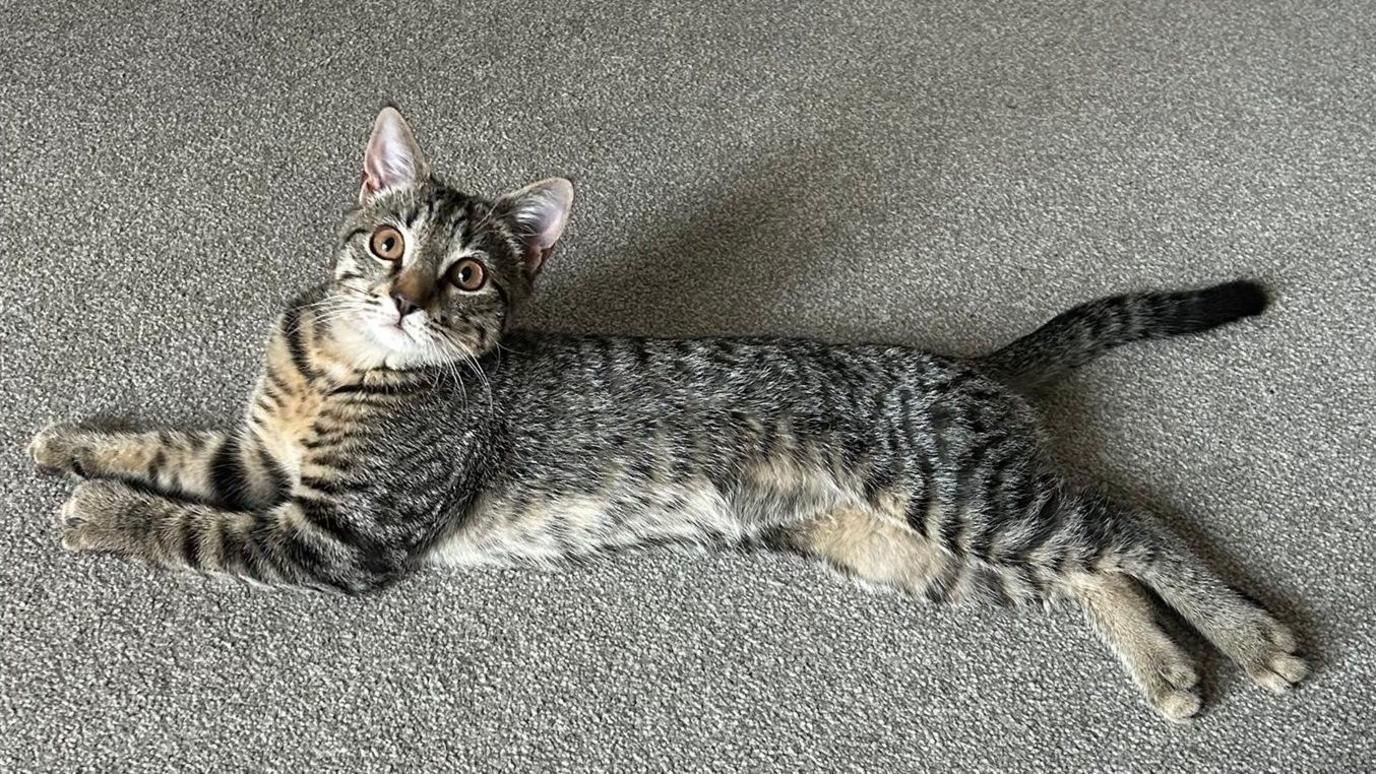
<point x="425" y="274"/>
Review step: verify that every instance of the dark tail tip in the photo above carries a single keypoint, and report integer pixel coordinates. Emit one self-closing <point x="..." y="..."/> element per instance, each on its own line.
<point x="1231" y="301"/>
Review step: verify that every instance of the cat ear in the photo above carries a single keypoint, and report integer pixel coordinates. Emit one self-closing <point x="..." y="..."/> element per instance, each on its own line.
<point x="393" y="158"/>
<point x="539" y="213"/>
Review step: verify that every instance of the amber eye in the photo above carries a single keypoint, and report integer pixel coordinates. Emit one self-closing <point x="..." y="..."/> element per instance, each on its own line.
<point x="387" y="244"/>
<point x="468" y="275"/>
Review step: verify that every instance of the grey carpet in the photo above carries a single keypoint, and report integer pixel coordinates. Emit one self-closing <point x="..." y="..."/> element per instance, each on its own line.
<point x="942" y="174"/>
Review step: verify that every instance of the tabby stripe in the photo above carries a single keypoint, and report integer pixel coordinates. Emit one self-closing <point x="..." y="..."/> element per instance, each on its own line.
<point x="983" y="540"/>
<point x="324" y="440"/>
<point x="273" y="393"/>
<point x="887" y="467"/>
<point x="300" y="551"/>
<point x="852" y="451"/>
<point x="292" y="328"/>
<point x="331" y="413"/>
<point x="328" y="460"/>
<point x="951" y="532"/>
<point x="233" y="549"/>
<point x="1047" y="521"/>
<point x="990" y="584"/>
<point x="920" y="504"/>
<point x="323" y="430"/>
<point x="1026" y="494"/>
<point x="1094" y="531"/>
<point x="280" y="481"/>
<point x="940" y="585"/>
<point x="191" y="544"/>
<point x="360" y="400"/>
<point x="375" y="389"/>
<point x="155" y="465"/>
<point x="264" y="404"/>
<point x="277" y="383"/>
<point x="1101" y="326"/>
<point x="973" y="459"/>
<point x="940" y="420"/>
<point x="267" y="553"/>
<point x="325" y="486"/>
<point x="227" y="474"/>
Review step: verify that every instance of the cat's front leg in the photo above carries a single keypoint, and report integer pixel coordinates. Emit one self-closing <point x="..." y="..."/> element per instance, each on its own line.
<point x="164" y="459"/>
<point x="299" y="542"/>
<point x="198" y="464"/>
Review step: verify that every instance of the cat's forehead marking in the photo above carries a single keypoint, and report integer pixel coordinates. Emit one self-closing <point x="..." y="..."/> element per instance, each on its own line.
<point x="440" y="212"/>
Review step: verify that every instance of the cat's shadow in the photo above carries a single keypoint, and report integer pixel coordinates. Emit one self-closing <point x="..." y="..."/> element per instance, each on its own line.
<point x="705" y="262"/>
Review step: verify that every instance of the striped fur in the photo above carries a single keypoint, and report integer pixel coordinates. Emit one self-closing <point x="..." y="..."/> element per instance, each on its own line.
<point x="379" y="438"/>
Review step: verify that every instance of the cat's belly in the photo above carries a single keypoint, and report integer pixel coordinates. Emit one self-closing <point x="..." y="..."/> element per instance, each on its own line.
<point x="504" y="529"/>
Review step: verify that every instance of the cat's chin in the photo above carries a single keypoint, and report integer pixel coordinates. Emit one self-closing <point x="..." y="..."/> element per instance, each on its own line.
<point x="393" y="348"/>
<point x="381" y="345"/>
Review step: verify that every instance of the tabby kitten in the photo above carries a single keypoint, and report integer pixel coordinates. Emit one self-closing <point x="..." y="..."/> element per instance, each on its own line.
<point x="399" y="420"/>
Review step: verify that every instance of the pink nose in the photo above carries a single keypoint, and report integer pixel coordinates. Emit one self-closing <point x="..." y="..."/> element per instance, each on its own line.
<point x="405" y="304"/>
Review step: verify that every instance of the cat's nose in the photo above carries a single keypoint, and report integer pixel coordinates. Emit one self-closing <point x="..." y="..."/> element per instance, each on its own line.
<point x="405" y="304"/>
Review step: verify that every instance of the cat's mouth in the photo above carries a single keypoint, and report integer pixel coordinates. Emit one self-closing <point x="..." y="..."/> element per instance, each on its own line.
<point x="393" y="333"/>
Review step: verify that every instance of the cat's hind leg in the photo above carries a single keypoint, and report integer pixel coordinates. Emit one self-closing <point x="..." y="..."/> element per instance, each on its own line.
<point x="1124" y="617"/>
<point x="1246" y="632"/>
<point x="1105" y="537"/>
<point x="861" y="543"/>
<point x="865" y="544"/>
<point x="879" y="548"/>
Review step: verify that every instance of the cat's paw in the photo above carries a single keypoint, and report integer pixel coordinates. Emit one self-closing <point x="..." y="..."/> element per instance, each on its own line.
<point x="103" y="516"/>
<point x="1177" y="706"/>
<point x="1268" y="652"/>
<point x="58" y="448"/>
<point x="1172" y="687"/>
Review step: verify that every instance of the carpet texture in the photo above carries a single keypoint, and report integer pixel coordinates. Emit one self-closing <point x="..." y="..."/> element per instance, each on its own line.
<point x="940" y="174"/>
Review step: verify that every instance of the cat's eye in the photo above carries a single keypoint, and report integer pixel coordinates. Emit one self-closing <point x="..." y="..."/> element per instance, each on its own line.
<point x="387" y="243"/>
<point x="468" y="275"/>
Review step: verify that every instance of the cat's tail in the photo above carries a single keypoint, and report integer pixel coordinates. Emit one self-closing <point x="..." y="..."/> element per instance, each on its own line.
<point x="1075" y="337"/>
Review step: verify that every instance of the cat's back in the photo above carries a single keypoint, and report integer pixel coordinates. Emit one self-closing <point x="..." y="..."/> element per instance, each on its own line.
<point x="541" y="366"/>
<point x="564" y="393"/>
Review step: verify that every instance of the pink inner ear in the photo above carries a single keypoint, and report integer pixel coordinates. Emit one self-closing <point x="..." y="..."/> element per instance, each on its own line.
<point x="542" y="210"/>
<point x="551" y="227"/>
<point x="388" y="167"/>
<point x="535" y="258"/>
<point x="392" y="158"/>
